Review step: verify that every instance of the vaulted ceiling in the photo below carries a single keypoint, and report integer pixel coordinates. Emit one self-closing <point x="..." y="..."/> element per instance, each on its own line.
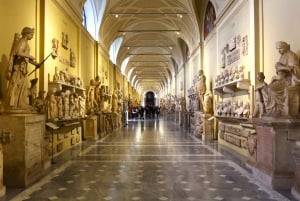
<point x="158" y="36"/>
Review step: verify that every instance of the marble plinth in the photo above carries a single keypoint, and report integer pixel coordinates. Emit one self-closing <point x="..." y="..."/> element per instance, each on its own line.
<point x="207" y="122"/>
<point x="24" y="156"/>
<point x="274" y="163"/>
<point x="91" y="128"/>
<point x="2" y="187"/>
<point x="101" y="124"/>
<point x="203" y="126"/>
<point x="296" y="155"/>
<point x="104" y="123"/>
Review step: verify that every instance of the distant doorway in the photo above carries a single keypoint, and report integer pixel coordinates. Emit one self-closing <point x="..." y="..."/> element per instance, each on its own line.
<point x="149" y="104"/>
<point x="150" y="99"/>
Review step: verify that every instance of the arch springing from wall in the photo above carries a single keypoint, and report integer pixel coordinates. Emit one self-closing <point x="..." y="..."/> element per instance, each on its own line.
<point x="114" y="49"/>
<point x="124" y="65"/>
<point x="92" y="15"/>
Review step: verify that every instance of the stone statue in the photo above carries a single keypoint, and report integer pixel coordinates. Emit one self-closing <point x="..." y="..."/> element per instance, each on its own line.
<point x="182" y="104"/>
<point x="66" y="104"/>
<point x="246" y="110"/>
<point x="91" y="102"/>
<point x="72" y="58"/>
<point x="201" y="83"/>
<point x="201" y="87"/>
<point x="67" y="77"/>
<point x="82" y="105"/>
<point x="102" y="97"/>
<point x="234" y="108"/>
<point x="52" y="107"/>
<point x="56" y="76"/>
<point x="97" y="86"/>
<point x="17" y="90"/>
<point x="62" y="76"/>
<point x="241" y="72"/>
<point x="226" y="76"/>
<point x="260" y="96"/>
<point x="288" y="62"/>
<point x="225" y="109"/>
<point x="55" y="43"/>
<point x="232" y="74"/>
<point x="32" y="94"/>
<point x="72" y="105"/>
<point x="115" y="101"/>
<point x="40" y="102"/>
<point x="60" y="109"/>
<point x="207" y="102"/>
<point x="287" y="70"/>
<point x="219" y="108"/>
<point x="240" y="108"/>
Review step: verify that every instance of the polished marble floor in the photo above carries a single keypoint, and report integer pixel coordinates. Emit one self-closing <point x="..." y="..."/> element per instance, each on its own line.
<point x="148" y="160"/>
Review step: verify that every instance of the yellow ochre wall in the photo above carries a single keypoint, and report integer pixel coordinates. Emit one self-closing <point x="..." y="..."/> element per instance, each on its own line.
<point x="279" y="22"/>
<point x="57" y="22"/>
<point x="14" y="17"/>
<point x="50" y="19"/>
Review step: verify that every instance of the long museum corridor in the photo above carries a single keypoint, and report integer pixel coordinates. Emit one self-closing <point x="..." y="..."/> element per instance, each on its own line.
<point x="149" y="160"/>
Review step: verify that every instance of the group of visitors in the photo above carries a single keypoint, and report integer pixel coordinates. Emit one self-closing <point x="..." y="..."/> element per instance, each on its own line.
<point x="145" y="112"/>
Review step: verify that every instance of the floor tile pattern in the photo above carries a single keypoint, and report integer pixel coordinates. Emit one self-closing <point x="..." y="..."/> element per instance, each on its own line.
<point x="150" y="160"/>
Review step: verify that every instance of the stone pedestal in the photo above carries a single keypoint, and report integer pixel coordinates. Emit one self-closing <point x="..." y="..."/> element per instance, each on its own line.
<point x="293" y="101"/>
<point x="2" y="187"/>
<point x="296" y="156"/>
<point x="274" y="163"/>
<point x="91" y="128"/>
<point x="197" y="127"/>
<point x="5" y="137"/>
<point x="24" y="156"/>
<point x="203" y="126"/>
<point x="207" y="123"/>
<point x="101" y="124"/>
<point x="117" y="120"/>
<point x="105" y="123"/>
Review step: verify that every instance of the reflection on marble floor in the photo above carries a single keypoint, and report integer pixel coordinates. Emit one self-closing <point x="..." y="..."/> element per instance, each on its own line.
<point x="151" y="160"/>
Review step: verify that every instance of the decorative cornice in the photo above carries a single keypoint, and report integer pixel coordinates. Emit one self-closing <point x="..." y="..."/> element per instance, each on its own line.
<point x="70" y="10"/>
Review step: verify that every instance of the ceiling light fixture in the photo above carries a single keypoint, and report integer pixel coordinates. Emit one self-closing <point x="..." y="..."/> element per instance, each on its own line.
<point x="149" y="30"/>
<point x="149" y="54"/>
<point x="170" y="46"/>
<point x="151" y="61"/>
<point x="178" y="14"/>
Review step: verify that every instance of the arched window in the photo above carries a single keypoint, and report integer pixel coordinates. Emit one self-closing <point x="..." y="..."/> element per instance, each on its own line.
<point x="92" y="16"/>
<point x="129" y="73"/>
<point x="124" y="64"/>
<point x="114" y="49"/>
